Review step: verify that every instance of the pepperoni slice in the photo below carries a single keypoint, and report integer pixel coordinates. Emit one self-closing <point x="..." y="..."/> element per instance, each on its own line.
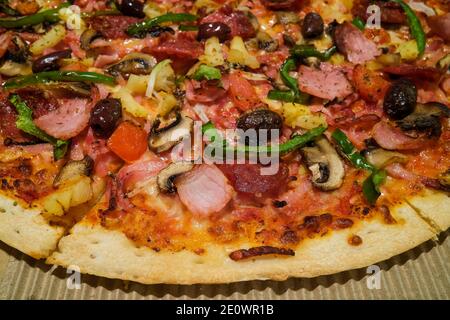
<point x="248" y="178"/>
<point x="112" y="27"/>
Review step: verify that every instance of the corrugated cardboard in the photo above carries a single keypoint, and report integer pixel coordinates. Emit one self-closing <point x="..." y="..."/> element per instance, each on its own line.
<point x="422" y="273"/>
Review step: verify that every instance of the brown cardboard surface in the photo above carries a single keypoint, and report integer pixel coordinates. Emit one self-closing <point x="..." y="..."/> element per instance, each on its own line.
<point x="421" y="273"/>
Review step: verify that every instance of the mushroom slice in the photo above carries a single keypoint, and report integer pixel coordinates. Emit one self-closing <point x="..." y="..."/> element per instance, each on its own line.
<point x="426" y="119"/>
<point x="74" y="169"/>
<point x="133" y="63"/>
<point x="381" y="158"/>
<point x="167" y="176"/>
<point x="87" y="37"/>
<point x="162" y="139"/>
<point x="325" y="165"/>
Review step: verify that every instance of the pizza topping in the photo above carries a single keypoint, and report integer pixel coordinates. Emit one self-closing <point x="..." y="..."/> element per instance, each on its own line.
<point x="391" y="12"/>
<point x="238" y="22"/>
<point x="260" y="119"/>
<point x="352" y="43"/>
<point x="381" y="158"/>
<point x="250" y="179"/>
<point x="400" y="99"/>
<point x="243" y="254"/>
<point x="167" y="176"/>
<point x="50" y="61"/>
<point x="204" y="190"/>
<point x="134" y="63"/>
<point x="440" y="25"/>
<point x="325" y="165"/>
<point x="112" y="27"/>
<point x="425" y="120"/>
<point x="327" y="83"/>
<point x="392" y="138"/>
<point x="414" y="72"/>
<point x="50" y="15"/>
<point x="74" y="169"/>
<point x="214" y="29"/>
<point x="279" y="4"/>
<point x="69" y="120"/>
<point x="132" y="8"/>
<point x="105" y="116"/>
<point x="140" y="29"/>
<point x="163" y="138"/>
<point x="312" y="26"/>
<point x="128" y="141"/>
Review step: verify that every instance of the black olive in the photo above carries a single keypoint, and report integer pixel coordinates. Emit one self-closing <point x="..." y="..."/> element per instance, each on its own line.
<point x="133" y="8"/>
<point x="400" y="100"/>
<point x="214" y="29"/>
<point x="260" y="119"/>
<point x="312" y="25"/>
<point x="50" y="61"/>
<point x="105" y="117"/>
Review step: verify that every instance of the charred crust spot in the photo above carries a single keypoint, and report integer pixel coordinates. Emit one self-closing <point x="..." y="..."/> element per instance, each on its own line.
<point x="343" y="223"/>
<point x="355" y="240"/>
<point x="289" y="237"/>
<point x="259" y="251"/>
<point x="279" y="204"/>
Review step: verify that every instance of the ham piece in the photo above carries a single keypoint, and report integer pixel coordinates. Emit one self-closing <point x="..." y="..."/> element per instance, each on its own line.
<point x="204" y="190"/>
<point x="69" y="120"/>
<point x="328" y="82"/>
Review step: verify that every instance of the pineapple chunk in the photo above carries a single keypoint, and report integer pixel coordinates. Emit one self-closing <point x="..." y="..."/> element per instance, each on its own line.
<point x="213" y="55"/>
<point x="408" y="50"/>
<point x="130" y="105"/>
<point x="239" y="54"/>
<point x="48" y="40"/>
<point x="72" y="193"/>
<point x="297" y="115"/>
<point x="137" y="84"/>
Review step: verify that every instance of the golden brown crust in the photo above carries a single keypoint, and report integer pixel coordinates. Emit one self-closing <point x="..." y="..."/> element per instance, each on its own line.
<point x="107" y="253"/>
<point x="434" y="207"/>
<point x="26" y="229"/>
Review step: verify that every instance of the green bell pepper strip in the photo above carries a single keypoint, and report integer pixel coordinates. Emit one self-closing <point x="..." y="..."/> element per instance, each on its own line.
<point x="207" y="73"/>
<point x="295" y="142"/>
<point x="140" y="28"/>
<point x="288" y="66"/>
<point x="65" y="76"/>
<point x="377" y="177"/>
<point x="281" y="95"/>
<point x="185" y="27"/>
<point x="25" y="123"/>
<point x="301" y="51"/>
<point x="359" y="23"/>
<point x="51" y="15"/>
<point x="351" y="152"/>
<point x="414" y="25"/>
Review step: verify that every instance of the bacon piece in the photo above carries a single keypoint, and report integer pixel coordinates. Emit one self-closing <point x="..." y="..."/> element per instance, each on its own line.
<point x="391" y="138"/>
<point x="204" y="190"/>
<point x="238" y="22"/>
<point x="352" y="43"/>
<point x="67" y="121"/>
<point x="112" y="27"/>
<point x="259" y="251"/>
<point x="130" y="174"/>
<point x="440" y="26"/>
<point x="391" y="12"/>
<point x="327" y="83"/>
<point x="414" y="72"/>
<point x="396" y="170"/>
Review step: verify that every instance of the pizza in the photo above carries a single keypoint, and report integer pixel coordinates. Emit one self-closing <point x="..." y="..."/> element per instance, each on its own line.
<point x="214" y="141"/>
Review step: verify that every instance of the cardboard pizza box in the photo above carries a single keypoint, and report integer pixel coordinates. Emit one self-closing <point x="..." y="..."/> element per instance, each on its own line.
<point x="421" y="273"/>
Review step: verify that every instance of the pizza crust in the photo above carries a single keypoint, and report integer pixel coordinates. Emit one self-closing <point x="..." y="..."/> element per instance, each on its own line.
<point x="96" y="250"/>
<point x="434" y="207"/>
<point x="26" y="229"/>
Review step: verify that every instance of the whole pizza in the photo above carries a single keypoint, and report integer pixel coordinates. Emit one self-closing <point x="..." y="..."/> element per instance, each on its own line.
<point x="212" y="141"/>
